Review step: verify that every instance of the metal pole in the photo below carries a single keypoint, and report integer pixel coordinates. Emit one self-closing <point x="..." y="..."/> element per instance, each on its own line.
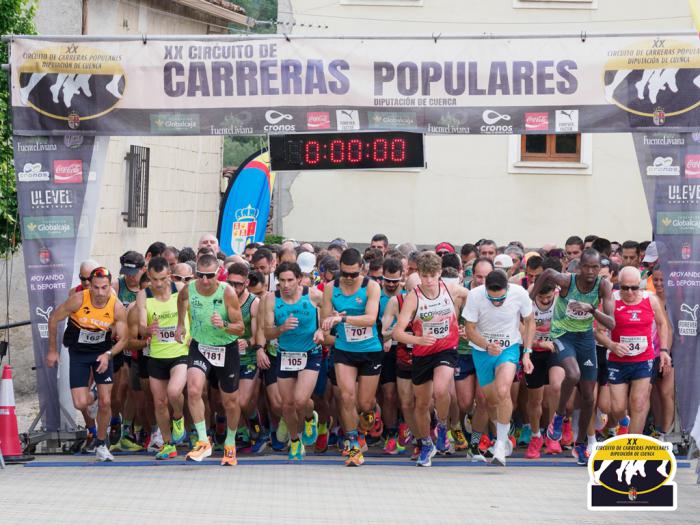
<point x="244" y="38"/>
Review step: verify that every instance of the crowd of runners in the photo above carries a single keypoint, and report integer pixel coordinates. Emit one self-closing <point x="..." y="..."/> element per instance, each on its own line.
<point x="473" y="351"/>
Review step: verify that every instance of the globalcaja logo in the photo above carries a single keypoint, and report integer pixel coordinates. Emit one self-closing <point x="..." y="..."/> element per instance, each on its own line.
<point x="632" y="472"/>
<point x="392" y="120"/>
<point x="68" y="171"/>
<point x="318" y="120"/>
<point x="536" y="121"/>
<point x="692" y="166"/>
<point x="32" y="172"/>
<point x="83" y="83"/>
<point x="49" y="227"/>
<point x="663" y="167"/>
<point x="174" y="123"/>
<point x="653" y="78"/>
<point x="678" y="223"/>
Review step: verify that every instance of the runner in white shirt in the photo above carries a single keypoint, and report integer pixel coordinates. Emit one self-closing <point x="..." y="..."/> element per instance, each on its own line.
<point x="493" y="314"/>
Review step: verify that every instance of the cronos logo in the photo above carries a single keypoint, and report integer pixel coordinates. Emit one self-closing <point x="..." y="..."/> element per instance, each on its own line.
<point x="71" y="82"/>
<point x="657" y="78"/>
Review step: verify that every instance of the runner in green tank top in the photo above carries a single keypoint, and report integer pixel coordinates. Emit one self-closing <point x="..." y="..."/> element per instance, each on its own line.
<point x="216" y="323"/>
<point x="572" y="332"/>
<point x="167" y="363"/>
<point x="247" y="348"/>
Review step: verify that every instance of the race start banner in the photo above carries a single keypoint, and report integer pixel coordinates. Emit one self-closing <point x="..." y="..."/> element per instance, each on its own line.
<point x="670" y="169"/>
<point x="446" y="85"/>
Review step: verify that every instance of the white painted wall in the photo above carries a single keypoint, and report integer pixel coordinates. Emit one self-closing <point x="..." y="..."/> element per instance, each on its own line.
<point x="469" y="190"/>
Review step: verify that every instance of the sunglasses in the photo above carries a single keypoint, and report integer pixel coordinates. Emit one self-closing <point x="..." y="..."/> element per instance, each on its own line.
<point x="392" y="281"/>
<point x="100" y="271"/>
<point x="206" y="275"/>
<point x="629" y="288"/>
<point x="350" y="275"/>
<point x="84" y="278"/>
<point x="497" y="299"/>
<point x="236" y="284"/>
<point x="181" y="278"/>
<point x="442" y="253"/>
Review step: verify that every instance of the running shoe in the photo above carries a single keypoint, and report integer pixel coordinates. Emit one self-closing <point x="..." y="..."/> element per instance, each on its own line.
<point x="460" y="440"/>
<point x="405" y="435"/>
<point x="511" y="444"/>
<point x="166" y="451"/>
<point x="567" y="434"/>
<point x="443" y="442"/>
<point x="282" y="432"/>
<point x="623" y="427"/>
<point x="90" y="444"/>
<point x="378" y="427"/>
<point x="115" y="433"/>
<point x="474" y="452"/>
<point x="276" y="444"/>
<point x="416" y="452"/>
<point x="525" y="436"/>
<point x="467" y="424"/>
<point x="229" y="458"/>
<point x="355" y="458"/>
<point x="261" y="443"/>
<point x="554" y="429"/>
<point x="391" y="446"/>
<point x="551" y="446"/>
<point x="362" y="442"/>
<point x="485" y="443"/>
<point x="499" y="452"/>
<point x="296" y="451"/>
<point x="126" y="445"/>
<point x="534" y="447"/>
<point x="590" y="448"/>
<point x="201" y="451"/>
<point x="345" y="451"/>
<point x="178" y="431"/>
<point x="579" y="452"/>
<point x="321" y="445"/>
<point x="333" y="437"/>
<point x="156" y="442"/>
<point x="103" y="454"/>
<point x="310" y="433"/>
<point x="255" y="428"/>
<point x="600" y="421"/>
<point x="427" y="452"/>
<point x="366" y="422"/>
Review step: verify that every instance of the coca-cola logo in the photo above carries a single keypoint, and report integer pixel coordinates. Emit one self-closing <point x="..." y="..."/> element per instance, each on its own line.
<point x="318" y="120"/>
<point x="537" y="121"/>
<point x="692" y="166"/>
<point x="67" y="171"/>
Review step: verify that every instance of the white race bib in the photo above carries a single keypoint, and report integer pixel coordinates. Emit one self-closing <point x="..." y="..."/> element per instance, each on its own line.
<point x="636" y="344"/>
<point x="87" y="337"/>
<point x="502" y="340"/>
<point x="355" y="334"/>
<point x="214" y="354"/>
<point x="166" y="335"/>
<point x="543" y="336"/>
<point x="146" y="350"/>
<point x="439" y="329"/>
<point x="292" y="361"/>
<point x="579" y="316"/>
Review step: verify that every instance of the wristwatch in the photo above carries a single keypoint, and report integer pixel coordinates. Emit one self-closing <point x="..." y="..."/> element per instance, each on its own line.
<point x="664" y="350"/>
<point x="225" y="325"/>
<point x="109" y="354"/>
<point x="343" y="318"/>
<point x="527" y="350"/>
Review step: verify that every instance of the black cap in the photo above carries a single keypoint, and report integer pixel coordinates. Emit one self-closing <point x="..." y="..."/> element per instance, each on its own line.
<point x="131" y="262"/>
<point x="496" y="280"/>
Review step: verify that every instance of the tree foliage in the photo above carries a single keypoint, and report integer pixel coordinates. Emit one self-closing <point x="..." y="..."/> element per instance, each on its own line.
<point x="15" y="18"/>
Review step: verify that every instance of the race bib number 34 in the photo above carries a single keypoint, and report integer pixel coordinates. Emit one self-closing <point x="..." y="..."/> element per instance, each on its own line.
<point x="636" y="344"/>
<point x="87" y="337"/>
<point x="292" y="361"/>
<point x="355" y="334"/>
<point x="214" y="354"/>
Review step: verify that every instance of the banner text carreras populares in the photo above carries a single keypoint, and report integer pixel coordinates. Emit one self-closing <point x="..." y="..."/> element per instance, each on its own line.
<point x="449" y="86"/>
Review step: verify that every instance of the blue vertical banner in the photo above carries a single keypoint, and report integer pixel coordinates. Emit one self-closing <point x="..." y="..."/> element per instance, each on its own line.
<point x="246" y="205"/>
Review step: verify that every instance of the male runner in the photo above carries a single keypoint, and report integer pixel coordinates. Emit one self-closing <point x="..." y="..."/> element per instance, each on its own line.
<point x="216" y="323"/>
<point x="380" y="242"/>
<point x="572" y="331"/>
<point x="167" y="358"/>
<point x="94" y="314"/>
<point x="351" y="306"/>
<point x="292" y="317"/>
<point x="431" y="309"/>
<point x="631" y="359"/>
<point x="573" y="248"/>
<point x="493" y="315"/>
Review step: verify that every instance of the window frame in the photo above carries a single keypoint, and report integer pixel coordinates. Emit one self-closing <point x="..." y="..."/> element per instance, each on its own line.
<point x="516" y="165"/>
<point x="550" y="155"/>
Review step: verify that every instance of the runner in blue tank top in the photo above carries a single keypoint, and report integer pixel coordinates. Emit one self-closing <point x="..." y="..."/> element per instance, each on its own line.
<point x="292" y="317"/>
<point x="351" y="305"/>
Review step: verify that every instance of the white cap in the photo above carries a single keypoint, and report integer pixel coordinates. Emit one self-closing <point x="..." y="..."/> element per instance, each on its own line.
<point x="306" y="261"/>
<point x="503" y="261"/>
<point x="651" y="254"/>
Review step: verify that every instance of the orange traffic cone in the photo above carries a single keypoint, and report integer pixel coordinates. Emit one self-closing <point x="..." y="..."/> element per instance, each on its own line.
<point x="9" y="435"/>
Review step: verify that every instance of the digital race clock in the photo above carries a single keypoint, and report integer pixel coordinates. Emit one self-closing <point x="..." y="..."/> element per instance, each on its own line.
<point x="346" y="151"/>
